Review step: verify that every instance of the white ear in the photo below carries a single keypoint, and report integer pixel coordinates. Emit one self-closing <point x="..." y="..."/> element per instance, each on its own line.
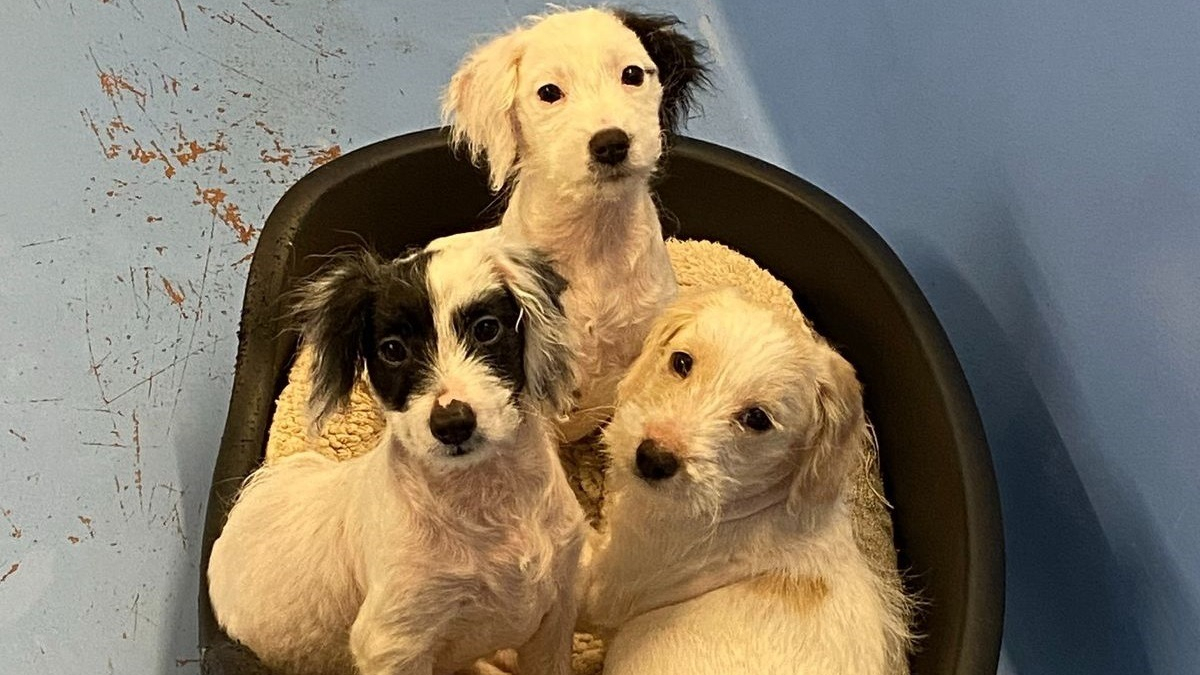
<point x="836" y="442"/>
<point x="479" y="105"/>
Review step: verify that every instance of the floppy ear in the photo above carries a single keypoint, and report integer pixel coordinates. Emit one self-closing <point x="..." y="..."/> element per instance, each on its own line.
<point x="550" y="373"/>
<point x="678" y="59"/>
<point x="332" y="310"/>
<point x="836" y="442"/>
<point x="479" y="105"/>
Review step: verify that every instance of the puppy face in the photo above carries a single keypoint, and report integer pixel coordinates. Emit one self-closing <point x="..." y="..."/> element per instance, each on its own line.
<point x="579" y="99"/>
<point x="457" y="343"/>
<point x="730" y="401"/>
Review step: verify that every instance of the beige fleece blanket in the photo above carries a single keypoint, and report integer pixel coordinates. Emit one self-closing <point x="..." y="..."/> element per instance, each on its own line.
<point x="698" y="264"/>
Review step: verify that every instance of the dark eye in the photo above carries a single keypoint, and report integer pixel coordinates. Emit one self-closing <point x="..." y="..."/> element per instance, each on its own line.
<point x="392" y="352"/>
<point x="633" y="76"/>
<point x="681" y="363"/>
<point x="549" y="93"/>
<point x="486" y="330"/>
<point x="754" y="419"/>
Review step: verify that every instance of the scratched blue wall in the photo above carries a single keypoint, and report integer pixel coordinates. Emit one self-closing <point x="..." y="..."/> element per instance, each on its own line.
<point x="1037" y="170"/>
<point x="144" y="142"/>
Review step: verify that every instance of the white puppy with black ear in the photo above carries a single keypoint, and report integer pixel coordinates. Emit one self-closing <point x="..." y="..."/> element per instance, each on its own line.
<point x="727" y="546"/>
<point x="571" y="112"/>
<point x="458" y="535"/>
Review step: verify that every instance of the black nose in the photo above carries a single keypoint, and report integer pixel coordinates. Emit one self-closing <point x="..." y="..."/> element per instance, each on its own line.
<point x="452" y="424"/>
<point x="654" y="463"/>
<point x="609" y="146"/>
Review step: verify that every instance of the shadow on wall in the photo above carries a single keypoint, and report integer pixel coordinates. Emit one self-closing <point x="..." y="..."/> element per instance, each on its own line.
<point x="1066" y="602"/>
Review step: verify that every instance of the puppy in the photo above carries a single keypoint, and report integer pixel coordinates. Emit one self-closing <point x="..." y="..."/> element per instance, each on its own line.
<point x="727" y="547"/>
<point x="458" y="535"/>
<point x="571" y="112"/>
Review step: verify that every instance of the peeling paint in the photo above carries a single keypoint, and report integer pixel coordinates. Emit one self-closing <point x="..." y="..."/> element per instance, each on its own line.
<point x="325" y="156"/>
<point x="175" y="296"/>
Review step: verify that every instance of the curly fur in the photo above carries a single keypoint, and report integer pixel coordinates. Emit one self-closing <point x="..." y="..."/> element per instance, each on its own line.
<point x="743" y="562"/>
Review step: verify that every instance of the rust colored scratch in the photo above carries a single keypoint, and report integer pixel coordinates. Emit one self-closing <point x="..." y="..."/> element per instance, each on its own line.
<point x="16" y="531"/>
<point x="227" y="212"/>
<point x="189" y="151"/>
<point x="87" y="522"/>
<point x="10" y="571"/>
<point x="137" y="458"/>
<point x="113" y="84"/>
<point x="110" y="150"/>
<point x="321" y="157"/>
<point x="154" y="219"/>
<point x="73" y="539"/>
<point x="117" y="124"/>
<point x="283" y="157"/>
<point x="176" y="296"/>
<point x="245" y="258"/>
<point x="140" y="154"/>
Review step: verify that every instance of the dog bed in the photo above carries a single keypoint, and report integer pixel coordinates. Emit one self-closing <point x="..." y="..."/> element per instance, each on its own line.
<point x="933" y="456"/>
<point x="698" y="264"/>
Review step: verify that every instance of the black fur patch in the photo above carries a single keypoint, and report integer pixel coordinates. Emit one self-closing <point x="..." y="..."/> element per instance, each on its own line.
<point x="356" y="300"/>
<point x="401" y="311"/>
<point x="681" y="69"/>
<point x="506" y="356"/>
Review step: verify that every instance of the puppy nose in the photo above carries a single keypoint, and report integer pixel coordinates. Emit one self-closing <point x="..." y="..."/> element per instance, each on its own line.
<point x="655" y="463"/>
<point x="452" y="424"/>
<point x="609" y="146"/>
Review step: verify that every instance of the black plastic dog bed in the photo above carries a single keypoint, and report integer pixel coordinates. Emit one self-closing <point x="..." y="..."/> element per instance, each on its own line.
<point x="936" y="467"/>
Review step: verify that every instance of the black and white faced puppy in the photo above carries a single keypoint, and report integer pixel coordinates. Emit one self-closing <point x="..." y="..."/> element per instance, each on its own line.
<point x="450" y="338"/>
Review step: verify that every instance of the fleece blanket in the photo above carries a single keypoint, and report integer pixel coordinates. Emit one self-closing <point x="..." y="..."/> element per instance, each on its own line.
<point x="357" y="428"/>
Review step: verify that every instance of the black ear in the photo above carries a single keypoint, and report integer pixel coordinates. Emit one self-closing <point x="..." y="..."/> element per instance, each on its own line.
<point x="681" y="69"/>
<point x="333" y="312"/>
<point x="550" y="375"/>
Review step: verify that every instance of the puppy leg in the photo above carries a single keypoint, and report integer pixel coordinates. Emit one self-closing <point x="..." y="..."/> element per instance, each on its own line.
<point x="386" y="640"/>
<point x="548" y="651"/>
<point x="503" y="662"/>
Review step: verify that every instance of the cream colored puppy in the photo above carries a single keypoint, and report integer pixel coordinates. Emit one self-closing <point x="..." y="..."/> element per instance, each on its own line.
<point x="570" y="112"/>
<point x="727" y="546"/>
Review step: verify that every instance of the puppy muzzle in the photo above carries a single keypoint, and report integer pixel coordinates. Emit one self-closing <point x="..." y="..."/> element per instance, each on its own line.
<point x="609" y="147"/>
<point x="655" y="463"/>
<point x="452" y="424"/>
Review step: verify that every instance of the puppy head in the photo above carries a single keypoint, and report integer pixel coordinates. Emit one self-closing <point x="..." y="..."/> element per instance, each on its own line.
<point x="730" y="403"/>
<point x="458" y="344"/>
<point x="579" y="99"/>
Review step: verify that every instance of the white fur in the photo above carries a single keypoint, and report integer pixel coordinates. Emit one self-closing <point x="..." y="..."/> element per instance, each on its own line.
<point x="409" y="560"/>
<point x="601" y="230"/>
<point x="743" y="562"/>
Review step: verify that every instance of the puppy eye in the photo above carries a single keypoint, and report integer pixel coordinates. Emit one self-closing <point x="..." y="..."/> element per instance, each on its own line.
<point x="633" y="76"/>
<point x="549" y="93"/>
<point x="755" y="419"/>
<point x="681" y="363"/>
<point x="393" y="352"/>
<point x="486" y="330"/>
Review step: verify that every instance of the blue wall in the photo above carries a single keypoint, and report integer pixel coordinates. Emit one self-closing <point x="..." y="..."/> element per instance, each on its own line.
<point x="1035" y="168"/>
